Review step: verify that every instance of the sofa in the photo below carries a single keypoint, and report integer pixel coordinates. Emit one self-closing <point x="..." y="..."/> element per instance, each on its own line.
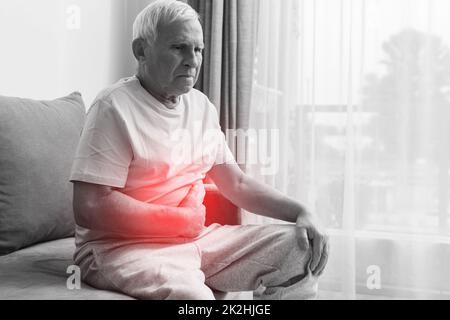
<point x="38" y="140"/>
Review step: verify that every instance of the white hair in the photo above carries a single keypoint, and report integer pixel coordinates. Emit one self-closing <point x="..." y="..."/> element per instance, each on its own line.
<point x="158" y="13"/>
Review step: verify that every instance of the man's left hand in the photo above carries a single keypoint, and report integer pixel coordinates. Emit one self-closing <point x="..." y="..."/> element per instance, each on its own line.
<point x="308" y="234"/>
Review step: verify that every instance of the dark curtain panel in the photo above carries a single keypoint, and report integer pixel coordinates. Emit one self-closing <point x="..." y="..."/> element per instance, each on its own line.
<point x="229" y="32"/>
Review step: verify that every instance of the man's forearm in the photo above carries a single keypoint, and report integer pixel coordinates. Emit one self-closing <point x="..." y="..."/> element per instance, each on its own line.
<point x="118" y="212"/>
<point x="264" y="200"/>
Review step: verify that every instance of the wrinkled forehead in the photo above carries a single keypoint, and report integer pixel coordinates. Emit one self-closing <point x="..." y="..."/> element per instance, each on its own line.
<point x="187" y="30"/>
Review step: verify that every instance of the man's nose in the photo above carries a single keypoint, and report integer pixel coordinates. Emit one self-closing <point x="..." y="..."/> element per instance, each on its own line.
<point x="191" y="59"/>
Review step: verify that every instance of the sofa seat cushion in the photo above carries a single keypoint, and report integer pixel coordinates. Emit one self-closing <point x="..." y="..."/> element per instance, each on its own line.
<point x="40" y="272"/>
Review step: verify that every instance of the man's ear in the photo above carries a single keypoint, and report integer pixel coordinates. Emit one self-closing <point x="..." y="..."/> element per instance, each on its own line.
<point x="139" y="45"/>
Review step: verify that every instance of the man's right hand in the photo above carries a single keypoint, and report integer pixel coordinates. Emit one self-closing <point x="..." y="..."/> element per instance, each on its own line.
<point x="194" y="211"/>
<point x="105" y="209"/>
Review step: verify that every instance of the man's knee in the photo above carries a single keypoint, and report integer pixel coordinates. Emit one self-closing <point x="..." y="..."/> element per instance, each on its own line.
<point x="296" y="280"/>
<point x="295" y="256"/>
<point x="288" y="240"/>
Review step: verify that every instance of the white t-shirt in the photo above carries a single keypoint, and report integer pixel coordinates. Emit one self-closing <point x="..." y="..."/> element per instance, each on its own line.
<point x="154" y="154"/>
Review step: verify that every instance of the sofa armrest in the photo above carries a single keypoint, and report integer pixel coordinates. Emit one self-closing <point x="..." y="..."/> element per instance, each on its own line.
<point x="218" y="208"/>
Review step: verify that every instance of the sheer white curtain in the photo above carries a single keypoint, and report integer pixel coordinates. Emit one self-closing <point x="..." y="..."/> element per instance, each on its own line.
<point x="50" y="48"/>
<point x="351" y="115"/>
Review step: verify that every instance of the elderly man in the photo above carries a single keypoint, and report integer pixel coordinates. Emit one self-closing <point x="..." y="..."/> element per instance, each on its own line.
<point x="138" y="200"/>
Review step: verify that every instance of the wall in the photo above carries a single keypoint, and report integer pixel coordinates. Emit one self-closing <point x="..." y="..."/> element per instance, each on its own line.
<point x="50" y="48"/>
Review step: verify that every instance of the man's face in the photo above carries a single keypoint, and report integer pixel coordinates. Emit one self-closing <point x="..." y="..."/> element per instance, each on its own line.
<point x="173" y="62"/>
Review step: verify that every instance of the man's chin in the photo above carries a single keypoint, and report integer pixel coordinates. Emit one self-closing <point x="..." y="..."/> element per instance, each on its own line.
<point x="184" y="89"/>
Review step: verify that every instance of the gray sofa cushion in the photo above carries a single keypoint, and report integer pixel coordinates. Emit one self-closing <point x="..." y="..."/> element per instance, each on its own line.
<point x="38" y="140"/>
<point x="41" y="272"/>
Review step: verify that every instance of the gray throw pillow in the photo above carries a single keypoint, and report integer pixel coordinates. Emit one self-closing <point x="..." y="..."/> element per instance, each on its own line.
<point x="38" y="140"/>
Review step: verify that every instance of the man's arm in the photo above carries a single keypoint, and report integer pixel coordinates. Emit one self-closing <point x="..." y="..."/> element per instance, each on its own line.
<point x="106" y="209"/>
<point x="254" y="196"/>
<point x="251" y="195"/>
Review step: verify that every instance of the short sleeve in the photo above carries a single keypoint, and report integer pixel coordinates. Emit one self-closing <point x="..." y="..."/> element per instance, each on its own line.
<point x="224" y="154"/>
<point x="104" y="152"/>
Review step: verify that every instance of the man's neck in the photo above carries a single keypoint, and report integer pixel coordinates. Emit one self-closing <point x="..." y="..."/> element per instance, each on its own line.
<point x="169" y="101"/>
